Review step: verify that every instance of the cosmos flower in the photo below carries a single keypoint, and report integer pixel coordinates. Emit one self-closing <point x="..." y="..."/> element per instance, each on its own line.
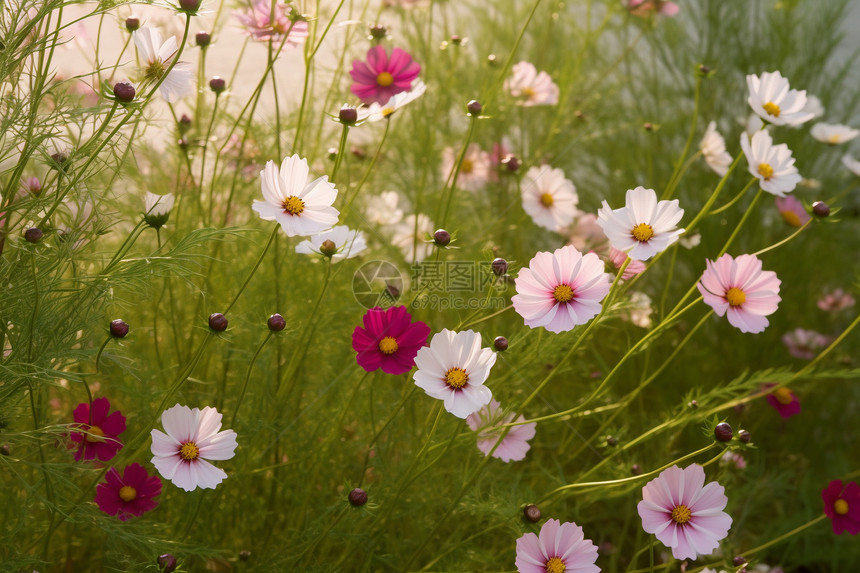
<point x="382" y="209"/>
<point x="129" y="495"/>
<point x="259" y="23"/>
<point x="389" y="340"/>
<point x="685" y="514"/>
<point x="733" y="460"/>
<point x="301" y="207"/>
<point x="345" y="242"/>
<point x="618" y="258"/>
<point x="642" y="8"/>
<point x="376" y="111"/>
<point x="381" y="77"/>
<point x="835" y="301"/>
<point x="488" y="422"/>
<point x="587" y="234"/>
<point x="409" y="237"/>
<point x="549" y="198"/>
<point x="644" y="226"/>
<point x="561" y="290"/>
<point x="639" y="311"/>
<point x="453" y="368"/>
<point x="833" y="133"/>
<point x="740" y="289"/>
<point x="157" y="209"/>
<point x="192" y="437"/>
<point x="772" y="100"/>
<point x="560" y="548"/>
<point x="713" y="148"/>
<point x="783" y="401"/>
<point x="771" y="164"/>
<point x="474" y="169"/>
<point x="157" y="57"/>
<point x="98" y="435"/>
<point x="792" y="211"/>
<point x="804" y="344"/>
<point x="852" y="164"/>
<point x="842" y="506"/>
<point x="531" y="87"/>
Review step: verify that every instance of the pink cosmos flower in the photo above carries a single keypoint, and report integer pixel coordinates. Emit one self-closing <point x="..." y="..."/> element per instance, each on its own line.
<point x="474" y="170"/>
<point x="642" y="8"/>
<point x="260" y="24"/>
<point x="783" y="400"/>
<point x="804" y="344"/>
<point x="192" y="437"/>
<point x="98" y="436"/>
<point x="740" y="289"/>
<point x="389" y="340"/>
<point x="617" y="258"/>
<point x="381" y="77"/>
<point x="561" y="547"/>
<point x="733" y="460"/>
<point x="836" y="301"/>
<point x="684" y="514"/>
<point x="488" y="421"/>
<point x="531" y="87"/>
<point x="792" y="211"/>
<point x="587" y="234"/>
<point x="130" y="495"/>
<point x="842" y="506"/>
<point x="561" y="290"/>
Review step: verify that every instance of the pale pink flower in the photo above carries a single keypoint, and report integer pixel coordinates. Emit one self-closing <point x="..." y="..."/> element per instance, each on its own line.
<point x="771" y="164"/>
<point x="618" y="257"/>
<point x="740" y="289"/>
<point x="474" y="170"/>
<point x="561" y="290"/>
<point x="157" y="57"/>
<point x="488" y="422"/>
<point x="644" y="226"/>
<point x="805" y="344"/>
<point x="772" y="100"/>
<point x="836" y="301"/>
<point x="587" y="234"/>
<point x="713" y="148"/>
<point x="683" y="513"/>
<point x="549" y="197"/>
<point x="263" y="22"/>
<point x="733" y="460"/>
<point x="792" y="211"/>
<point x="642" y="8"/>
<point x="531" y="87"/>
<point x="560" y="547"/>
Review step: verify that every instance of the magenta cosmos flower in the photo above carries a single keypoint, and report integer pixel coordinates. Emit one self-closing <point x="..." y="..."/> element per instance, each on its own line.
<point x="381" y="77"/>
<point x="561" y="290"/>
<point x="783" y="401"/>
<point x="98" y="438"/>
<point x="560" y="548"/>
<point x="192" y="437"/>
<point x="130" y="495"/>
<point x="488" y="422"/>
<point x="389" y="340"/>
<point x="842" y="506"/>
<point x="739" y="289"/>
<point x="684" y="514"/>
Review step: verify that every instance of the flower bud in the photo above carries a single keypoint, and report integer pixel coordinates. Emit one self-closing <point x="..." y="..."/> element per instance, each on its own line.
<point x="511" y="163"/>
<point x="723" y="432"/>
<point x="244" y="555"/>
<point x="693" y="404"/>
<point x="358" y="497"/>
<point x="189" y="5"/>
<point x="59" y="161"/>
<point x="132" y="24"/>
<point x="378" y="32"/>
<point x="118" y="328"/>
<point x="276" y="323"/>
<point x="442" y="238"/>
<point x="347" y="114"/>
<point x="328" y="248"/>
<point x="123" y="92"/>
<point x="474" y="108"/>
<point x="704" y="70"/>
<point x="203" y="39"/>
<point x="492" y="60"/>
<point x="532" y="513"/>
<point x="611" y="441"/>
<point x="33" y="185"/>
<point x="500" y="343"/>
<point x="744" y="437"/>
<point x="184" y="124"/>
<point x="217" y="85"/>
<point x="182" y="144"/>
<point x="635" y="469"/>
<point x="33" y="235"/>
<point x="648" y="126"/>
<point x="456" y="40"/>
<point x="167" y="563"/>
<point x="358" y="153"/>
<point x="332" y="153"/>
<point x="5" y="450"/>
<point x="217" y="322"/>
<point x="739" y="560"/>
<point x="820" y="209"/>
<point x="500" y="266"/>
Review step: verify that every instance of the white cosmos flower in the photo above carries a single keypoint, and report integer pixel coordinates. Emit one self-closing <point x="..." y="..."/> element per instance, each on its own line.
<point x="814" y="106"/>
<point x="382" y="209"/>
<point x="157" y="57"/>
<point x="833" y="133"/>
<point x="301" y="207"/>
<point x="713" y="148"/>
<point x="771" y="164"/>
<point x="347" y="243"/>
<point x="157" y="209"/>
<point x="192" y="437"/>
<point x="548" y="197"/>
<point x="453" y="368"/>
<point x="644" y="226"/>
<point x="773" y="101"/>
<point x="474" y="169"/>
<point x="376" y="112"/>
<point x="409" y="237"/>
<point x="851" y="164"/>
<point x="530" y="86"/>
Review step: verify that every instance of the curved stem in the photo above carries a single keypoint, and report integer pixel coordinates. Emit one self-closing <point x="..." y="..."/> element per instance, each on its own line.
<point x="735" y="199"/>
<point x="247" y="378"/>
<point x="255" y="267"/>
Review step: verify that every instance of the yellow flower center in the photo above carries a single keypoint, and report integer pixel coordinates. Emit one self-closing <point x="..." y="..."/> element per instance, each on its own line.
<point x="127" y="493"/>
<point x="386" y="111"/>
<point x="467" y="166"/>
<point x="791" y="218"/>
<point x="840" y="506"/>
<point x="783" y="396"/>
<point x="555" y="565"/>
<point x="642" y="232"/>
<point x="771" y="108"/>
<point x="736" y="296"/>
<point x="546" y="199"/>
<point x="154" y="71"/>
<point x="189" y="451"/>
<point x="456" y="378"/>
<point x="384" y="79"/>
<point x="834" y="139"/>
<point x="765" y="170"/>
<point x="388" y="345"/>
<point x="681" y="514"/>
<point x="562" y="293"/>
<point x="529" y="92"/>
<point x="96" y="434"/>
<point x="293" y="205"/>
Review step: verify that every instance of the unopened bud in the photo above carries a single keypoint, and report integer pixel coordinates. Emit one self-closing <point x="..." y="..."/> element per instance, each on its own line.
<point x="474" y="107"/>
<point x="456" y="40"/>
<point x="820" y="209"/>
<point x="442" y="238"/>
<point x="184" y="124"/>
<point x="118" y="328"/>
<point x="648" y="126"/>
<point x="5" y="450"/>
<point x="167" y="563"/>
<point x="217" y="85"/>
<point x="348" y="114"/>
<point x="358" y="497"/>
<point x="244" y="555"/>
<point x="739" y="560"/>
<point x="132" y="24"/>
<point x="203" y="39"/>
<point x="723" y="432"/>
<point x="59" y="161"/>
<point x="276" y="323"/>
<point x="33" y="235"/>
<point x="744" y="437"/>
<point x="378" y="31"/>
<point x="611" y="441"/>
<point x="124" y="92"/>
<point x="532" y="513"/>
<point x="217" y="322"/>
<point x="328" y="248"/>
<point x="635" y="469"/>
<point x="500" y="343"/>
<point x="500" y="266"/>
<point x="189" y="5"/>
<point x="511" y="163"/>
